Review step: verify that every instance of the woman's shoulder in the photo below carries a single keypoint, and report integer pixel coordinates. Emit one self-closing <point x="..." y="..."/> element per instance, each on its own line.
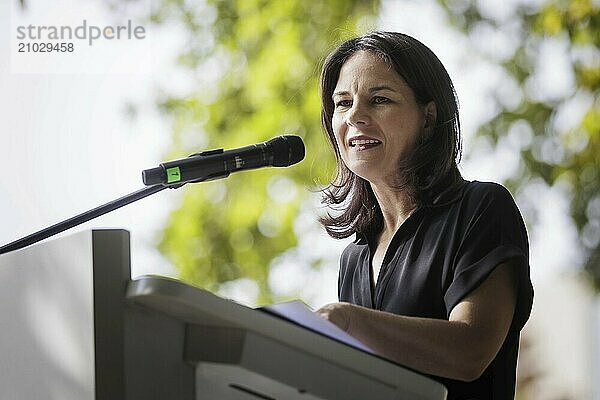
<point x="490" y="200"/>
<point x="478" y="192"/>
<point x="356" y="247"/>
<point x="474" y="195"/>
<point x="483" y="188"/>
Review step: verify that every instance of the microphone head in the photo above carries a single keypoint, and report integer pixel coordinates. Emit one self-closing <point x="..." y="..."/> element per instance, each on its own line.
<point x="287" y="150"/>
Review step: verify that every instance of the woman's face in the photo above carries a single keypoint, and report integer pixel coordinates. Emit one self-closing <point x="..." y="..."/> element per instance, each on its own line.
<point x="376" y="119"/>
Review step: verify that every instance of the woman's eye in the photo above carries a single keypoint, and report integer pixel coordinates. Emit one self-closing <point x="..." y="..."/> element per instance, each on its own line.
<point x="343" y="103"/>
<point x="380" y="100"/>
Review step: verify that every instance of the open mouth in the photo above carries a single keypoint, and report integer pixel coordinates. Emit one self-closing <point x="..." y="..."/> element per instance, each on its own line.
<point x="363" y="144"/>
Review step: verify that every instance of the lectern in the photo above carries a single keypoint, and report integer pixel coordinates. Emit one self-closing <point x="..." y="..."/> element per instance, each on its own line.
<point x="75" y="326"/>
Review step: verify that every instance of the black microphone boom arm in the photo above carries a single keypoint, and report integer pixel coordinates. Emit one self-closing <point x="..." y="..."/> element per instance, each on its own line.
<point x="208" y="165"/>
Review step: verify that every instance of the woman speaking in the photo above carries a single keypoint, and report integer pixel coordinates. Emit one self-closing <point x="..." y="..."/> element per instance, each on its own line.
<point x="437" y="278"/>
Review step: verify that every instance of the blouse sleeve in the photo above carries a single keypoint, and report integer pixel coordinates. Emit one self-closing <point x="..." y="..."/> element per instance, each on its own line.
<point x="493" y="233"/>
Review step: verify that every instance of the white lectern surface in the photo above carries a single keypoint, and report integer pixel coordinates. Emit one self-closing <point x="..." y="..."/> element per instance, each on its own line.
<point x="47" y="321"/>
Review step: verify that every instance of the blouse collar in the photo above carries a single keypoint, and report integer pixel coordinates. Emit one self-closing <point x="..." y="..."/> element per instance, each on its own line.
<point x="451" y="195"/>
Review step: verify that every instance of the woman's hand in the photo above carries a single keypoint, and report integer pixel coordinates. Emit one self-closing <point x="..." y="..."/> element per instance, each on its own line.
<point x="339" y="314"/>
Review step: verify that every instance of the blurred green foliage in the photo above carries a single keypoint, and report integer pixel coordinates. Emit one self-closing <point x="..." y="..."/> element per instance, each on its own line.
<point x="567" y="154"/>
<point x="256" y="66"/>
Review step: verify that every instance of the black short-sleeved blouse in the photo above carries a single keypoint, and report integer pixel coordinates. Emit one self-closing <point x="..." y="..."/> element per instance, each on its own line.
<point x="439" y="255"/>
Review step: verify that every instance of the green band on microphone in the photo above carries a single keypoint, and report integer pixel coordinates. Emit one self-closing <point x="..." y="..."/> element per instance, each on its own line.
<point x="173" y="175"/>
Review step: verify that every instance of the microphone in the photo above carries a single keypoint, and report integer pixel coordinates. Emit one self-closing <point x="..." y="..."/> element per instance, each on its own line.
<point x="281" y="151"/>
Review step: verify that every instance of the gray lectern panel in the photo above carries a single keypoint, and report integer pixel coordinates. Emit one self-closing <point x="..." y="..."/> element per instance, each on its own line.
<point x="243" y="361"/>
<point x="61" y="315"/>
<point x="46" y="318"/>
<point x="245" y="354"/>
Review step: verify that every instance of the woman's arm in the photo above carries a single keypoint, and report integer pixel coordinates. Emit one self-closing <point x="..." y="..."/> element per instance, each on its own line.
<point x="459" y="348"/>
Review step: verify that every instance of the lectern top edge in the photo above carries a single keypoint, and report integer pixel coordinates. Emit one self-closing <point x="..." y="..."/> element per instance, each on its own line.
<point x="198" y="306"/>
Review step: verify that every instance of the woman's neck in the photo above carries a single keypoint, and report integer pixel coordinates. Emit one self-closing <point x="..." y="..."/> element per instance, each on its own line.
<point x="396" y="206"/>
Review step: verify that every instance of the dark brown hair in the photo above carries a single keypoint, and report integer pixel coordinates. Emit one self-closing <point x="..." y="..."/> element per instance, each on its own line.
<point x="432" y="166"/>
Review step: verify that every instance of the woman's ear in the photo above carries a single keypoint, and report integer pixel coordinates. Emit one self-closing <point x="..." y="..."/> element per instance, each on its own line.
<point x="430" y="115"/>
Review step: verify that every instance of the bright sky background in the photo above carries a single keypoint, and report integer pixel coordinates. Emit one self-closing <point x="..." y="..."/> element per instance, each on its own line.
<point x="66" y="138"/>
<point x="67" y="146"/>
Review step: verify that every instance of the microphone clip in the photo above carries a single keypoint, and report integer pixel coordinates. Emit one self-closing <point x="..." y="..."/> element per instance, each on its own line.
<point x="155" y="176"/>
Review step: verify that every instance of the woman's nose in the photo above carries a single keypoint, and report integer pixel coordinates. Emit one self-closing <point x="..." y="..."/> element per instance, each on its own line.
<point x="357" y="115"/>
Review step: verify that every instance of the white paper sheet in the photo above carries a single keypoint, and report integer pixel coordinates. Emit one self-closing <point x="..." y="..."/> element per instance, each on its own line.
<point x="302" y="315"/>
